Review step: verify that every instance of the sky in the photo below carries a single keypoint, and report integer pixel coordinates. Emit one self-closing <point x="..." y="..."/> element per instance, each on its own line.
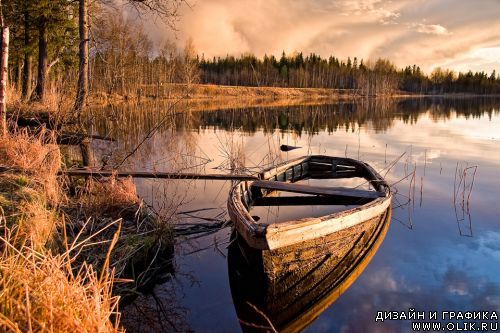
<point x="455" y="34"/>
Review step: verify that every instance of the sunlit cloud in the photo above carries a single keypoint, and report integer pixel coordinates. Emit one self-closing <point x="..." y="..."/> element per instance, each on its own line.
<point x="480" y="59"/>
<point x="407" y="32"/>
<point x="433" y="29"/>
<point x="388" y="17"/>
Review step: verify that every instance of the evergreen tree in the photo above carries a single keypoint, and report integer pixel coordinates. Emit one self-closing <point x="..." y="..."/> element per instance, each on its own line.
<point x="56" y="28"/>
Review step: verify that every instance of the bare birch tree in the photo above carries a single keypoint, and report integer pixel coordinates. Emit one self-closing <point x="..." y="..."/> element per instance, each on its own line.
<point x="167" y="10"/>
<point x="4" y="61"/>
<point x="190" y="72"/>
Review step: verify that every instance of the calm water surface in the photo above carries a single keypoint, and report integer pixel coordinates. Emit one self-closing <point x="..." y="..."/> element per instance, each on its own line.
<point x="440" y="253"/>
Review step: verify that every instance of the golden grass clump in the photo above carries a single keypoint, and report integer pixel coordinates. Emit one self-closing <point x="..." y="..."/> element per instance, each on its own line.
<point x="40" y="292"/>
<point x="55" y="107"/>
<point x="13" y="94"/>
<point x="31" y="156"/>
<point x="30" y="191"/>
<point x="36" y="223"/>
<point x="142" y="236"/>
<point x="111" y="197"/>
<point x="26" y="211"/>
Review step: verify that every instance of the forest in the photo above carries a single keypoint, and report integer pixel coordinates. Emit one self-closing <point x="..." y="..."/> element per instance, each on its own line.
<point x="81" y="47"/>
<point x="76" y="49"/>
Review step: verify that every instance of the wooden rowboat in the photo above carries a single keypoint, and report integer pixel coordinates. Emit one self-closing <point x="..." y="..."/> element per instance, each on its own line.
<point x="361" y="205"/>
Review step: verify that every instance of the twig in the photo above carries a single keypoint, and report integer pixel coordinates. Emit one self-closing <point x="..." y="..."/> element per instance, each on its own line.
<point x="421" y="189"/>
<point x="271" y="326"/>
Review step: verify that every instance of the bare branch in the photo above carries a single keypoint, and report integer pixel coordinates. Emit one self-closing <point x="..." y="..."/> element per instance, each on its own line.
<point x="166" y="10"/>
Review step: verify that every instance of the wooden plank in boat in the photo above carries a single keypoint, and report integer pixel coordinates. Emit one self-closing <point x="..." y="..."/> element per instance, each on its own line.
<point x="283" y="167"/>
<point x="309" y="201"/>
<point x="334" y="175"/>
<point x="316" y="190"/>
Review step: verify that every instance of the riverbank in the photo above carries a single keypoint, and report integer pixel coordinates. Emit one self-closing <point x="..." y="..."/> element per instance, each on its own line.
<point x="57" y="108"/>
<point x="197" y="92"/>
<point x="208" y="97"/>
<point x="46" y="215"/>
<point x="70" y="248"/>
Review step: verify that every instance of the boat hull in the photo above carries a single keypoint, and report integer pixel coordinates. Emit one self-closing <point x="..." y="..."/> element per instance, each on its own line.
<point x="286" y="289"/>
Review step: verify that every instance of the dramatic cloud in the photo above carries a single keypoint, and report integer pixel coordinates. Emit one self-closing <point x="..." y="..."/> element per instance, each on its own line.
<point x="431" y="33"/>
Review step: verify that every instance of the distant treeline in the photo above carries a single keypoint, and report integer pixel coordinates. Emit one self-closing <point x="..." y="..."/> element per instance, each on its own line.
<point x="313" y="71"/>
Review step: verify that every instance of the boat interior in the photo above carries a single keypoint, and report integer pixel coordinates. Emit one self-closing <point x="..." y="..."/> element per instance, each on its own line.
<point x="310" y="187"/>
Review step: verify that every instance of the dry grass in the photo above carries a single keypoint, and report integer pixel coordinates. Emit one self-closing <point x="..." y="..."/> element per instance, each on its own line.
<point x="13" y="94"/>
<point x="234" y="95"/>
<point x="40" y="292"/>
<point x="142" y="236"/>
<point x="29" y="193"/>
<point x="33" y="157"/>
<point x="233" y="154"/>
<point x="52" y="111"/>
<point x="110" y="197"/>
<point x="36" y="222"/>
<point x="108" y="231"/>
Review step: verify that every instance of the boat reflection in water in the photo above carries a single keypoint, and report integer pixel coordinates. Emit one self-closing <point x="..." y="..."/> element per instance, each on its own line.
<point x="286" y="289"/>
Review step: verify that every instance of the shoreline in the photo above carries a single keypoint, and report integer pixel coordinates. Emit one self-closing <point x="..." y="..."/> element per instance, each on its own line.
<point x="203" y="97"/>
<point x="259" y="96"/>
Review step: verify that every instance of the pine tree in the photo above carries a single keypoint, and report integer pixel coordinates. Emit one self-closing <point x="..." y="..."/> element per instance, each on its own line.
<point x="56" y="28"/>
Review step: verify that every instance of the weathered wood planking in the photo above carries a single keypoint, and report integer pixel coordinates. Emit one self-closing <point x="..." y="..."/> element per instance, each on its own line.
<point x="309" y="201"/>
<point x="291" y="232"/>
<point x="87" y="172"/>
<point x="317" y="190"/>
<point x="293" y="285"/>
<point x="301" y="161"/>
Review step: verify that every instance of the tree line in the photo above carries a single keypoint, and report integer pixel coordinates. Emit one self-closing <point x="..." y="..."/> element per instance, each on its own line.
<point x="80" y="48"/>
<point x="368" y="78"/>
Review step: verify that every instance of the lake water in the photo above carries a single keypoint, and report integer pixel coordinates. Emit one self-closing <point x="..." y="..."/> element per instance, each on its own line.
<point x="441" y="252"/>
